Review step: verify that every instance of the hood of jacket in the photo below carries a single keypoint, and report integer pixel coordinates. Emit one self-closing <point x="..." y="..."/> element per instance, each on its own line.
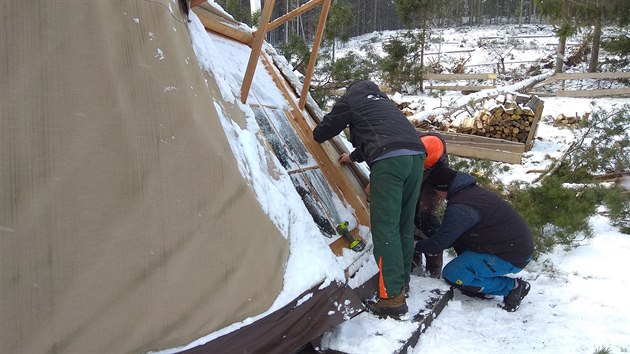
<point x="460" y="181"/>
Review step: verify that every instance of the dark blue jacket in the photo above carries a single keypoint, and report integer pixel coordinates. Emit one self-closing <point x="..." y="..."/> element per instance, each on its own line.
<point x="478" y="220"/>
<point x="376" y="124"/>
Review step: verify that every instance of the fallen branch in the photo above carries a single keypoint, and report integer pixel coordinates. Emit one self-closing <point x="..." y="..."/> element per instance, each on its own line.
<point x="556" y="165"/>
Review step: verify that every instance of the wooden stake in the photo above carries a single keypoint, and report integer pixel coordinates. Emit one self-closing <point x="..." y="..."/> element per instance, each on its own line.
<point x="259" y="37"/>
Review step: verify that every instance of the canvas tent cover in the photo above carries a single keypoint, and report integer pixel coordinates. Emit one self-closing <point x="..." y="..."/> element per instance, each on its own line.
<point x="124" y="220"/>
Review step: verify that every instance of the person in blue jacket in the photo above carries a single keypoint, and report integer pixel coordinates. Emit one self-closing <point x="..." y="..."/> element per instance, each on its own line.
<point x="490" y="238"/>
<point x="385" y="139"/>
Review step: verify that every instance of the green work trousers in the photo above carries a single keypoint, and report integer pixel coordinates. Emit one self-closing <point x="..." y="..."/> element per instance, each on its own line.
<point x="394" y="190"/>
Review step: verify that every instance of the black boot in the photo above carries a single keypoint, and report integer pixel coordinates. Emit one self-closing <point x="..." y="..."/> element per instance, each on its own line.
<point x="512" y="301"/>
<point x="434" y="265"/>
<point x="416" y="264"/>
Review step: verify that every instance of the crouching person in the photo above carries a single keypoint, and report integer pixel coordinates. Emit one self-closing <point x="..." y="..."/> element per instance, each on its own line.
<point x="488" y="235"/>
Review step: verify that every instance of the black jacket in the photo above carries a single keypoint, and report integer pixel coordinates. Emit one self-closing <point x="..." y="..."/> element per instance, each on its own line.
<point x="376" y="124"/>
<point x="478" y="220"/>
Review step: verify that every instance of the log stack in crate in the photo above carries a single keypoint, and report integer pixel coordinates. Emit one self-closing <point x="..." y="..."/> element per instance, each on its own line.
<point x="508" y="121"/>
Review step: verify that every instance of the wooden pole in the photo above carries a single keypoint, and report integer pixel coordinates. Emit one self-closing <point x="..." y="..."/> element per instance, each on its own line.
<point x="259" y="37"/>
<point x="293" y="14"/>
<point x="311" y="63"/>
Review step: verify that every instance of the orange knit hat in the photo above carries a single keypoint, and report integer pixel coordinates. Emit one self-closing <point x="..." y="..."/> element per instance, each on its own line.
<point x="435" y="149"/>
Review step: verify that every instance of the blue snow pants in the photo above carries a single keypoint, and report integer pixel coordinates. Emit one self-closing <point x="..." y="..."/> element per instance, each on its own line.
<point x="480" y="272"/>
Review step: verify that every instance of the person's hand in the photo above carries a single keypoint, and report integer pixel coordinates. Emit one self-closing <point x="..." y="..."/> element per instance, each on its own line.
<point x="344" y="158"/>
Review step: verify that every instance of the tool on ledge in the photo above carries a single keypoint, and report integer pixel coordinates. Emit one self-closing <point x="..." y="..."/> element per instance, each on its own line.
<point x="355" y="244"/>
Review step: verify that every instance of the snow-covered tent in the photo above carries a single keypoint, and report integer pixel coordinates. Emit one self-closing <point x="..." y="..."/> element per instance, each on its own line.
<point x="127" y="222"/>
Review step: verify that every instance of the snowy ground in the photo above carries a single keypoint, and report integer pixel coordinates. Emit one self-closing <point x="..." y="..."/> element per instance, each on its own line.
<point x="578" y="301"/>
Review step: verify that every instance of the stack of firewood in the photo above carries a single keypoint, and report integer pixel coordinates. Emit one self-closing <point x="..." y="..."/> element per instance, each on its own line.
<point x="507" y="121"/>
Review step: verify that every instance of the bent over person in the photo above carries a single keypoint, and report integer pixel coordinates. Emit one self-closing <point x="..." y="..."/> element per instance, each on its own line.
<point x="427" y="219"/>
<point x="385" y="139"/>
<point x="490" y="238"/>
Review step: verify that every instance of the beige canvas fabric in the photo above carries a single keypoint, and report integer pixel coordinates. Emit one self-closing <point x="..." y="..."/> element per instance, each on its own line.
<point x="125" y="225"/>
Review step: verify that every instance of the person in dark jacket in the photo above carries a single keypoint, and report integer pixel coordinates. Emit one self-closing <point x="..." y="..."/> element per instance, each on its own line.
<point x="385" y="139"/>
<point x="490" y="238"/>
<point x="427" y="219"/>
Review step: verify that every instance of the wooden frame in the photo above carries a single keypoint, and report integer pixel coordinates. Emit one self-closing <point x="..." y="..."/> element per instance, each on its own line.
<point x="331" y="169"/>
<point x="454" y="77"/>
<point x="265" y="26"/>
<point x="625" y="91"/>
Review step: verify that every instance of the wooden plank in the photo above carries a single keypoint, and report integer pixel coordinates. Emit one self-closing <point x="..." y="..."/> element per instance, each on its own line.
<point x="582" y="76"/>
<point x="484" y="154"/>
<point x="259" y="37"/>
<point x="293" y="14"/>
<point x="506" y="63"/>
<point x="316" y="43"/>
<point x="595" y="93"/>
<point x="446" y="77"/>
<point x="214" y="24"/>
<point x="481" y="147"/>
<point x="529" y="142"/>
<point x="425" y="318"/>
<point x="459" y="88"/>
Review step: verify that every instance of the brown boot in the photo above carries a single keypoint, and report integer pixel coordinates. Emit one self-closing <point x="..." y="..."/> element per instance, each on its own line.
<point x="434" y="265"/>
<point x="391" y="307"/>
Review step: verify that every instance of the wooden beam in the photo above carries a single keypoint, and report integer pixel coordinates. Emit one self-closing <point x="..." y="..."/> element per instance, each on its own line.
<point x="224" y="30"/>
<point x="538" y="105"/>
<point x="293" y="14"/>
<point x="316" y="43"/>
<point x="459" y="88"/>
<point x="582" y="76"/>
<point x="595" y="93"/>
<point x="259" y="37"/>
<point x="448" y="77"/>
<point x="483" y="153"/>
<point x="481" y="147"/>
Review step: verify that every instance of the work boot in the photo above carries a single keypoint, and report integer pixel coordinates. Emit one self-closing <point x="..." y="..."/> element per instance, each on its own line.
<point x="406" y="290"/>
<point x="392" y="307"/>
<point x="512" y="301"/>
<point x="416" y="264"/>
<point x="434" y="265"/>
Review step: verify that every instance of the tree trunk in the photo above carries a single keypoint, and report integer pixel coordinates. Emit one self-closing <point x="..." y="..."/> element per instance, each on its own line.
<point x="479" y="13"/>
<point x="597" y="36"/>
<point x="422" y="41"/>
<point x="562" y="43"/>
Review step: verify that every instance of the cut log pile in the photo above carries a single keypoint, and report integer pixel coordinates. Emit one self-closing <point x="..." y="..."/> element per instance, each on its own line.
<point x="563" y="120"/>
<point x="508" y="121"/>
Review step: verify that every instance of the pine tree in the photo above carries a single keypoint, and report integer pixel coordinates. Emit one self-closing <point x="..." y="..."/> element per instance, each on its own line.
<point x="416" y="13"/>
<point x="340" y="19"/>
